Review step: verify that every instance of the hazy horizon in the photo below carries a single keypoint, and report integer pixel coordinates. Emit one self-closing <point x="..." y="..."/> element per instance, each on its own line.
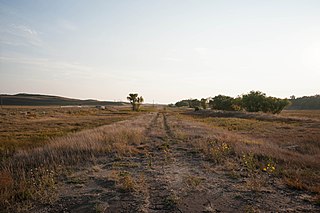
<point x="164" y="50"/>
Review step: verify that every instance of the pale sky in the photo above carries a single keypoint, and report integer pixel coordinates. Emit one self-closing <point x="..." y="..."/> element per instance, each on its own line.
<point x="165" y="50"/>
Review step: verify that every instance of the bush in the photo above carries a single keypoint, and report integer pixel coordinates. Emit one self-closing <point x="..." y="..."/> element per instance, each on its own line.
<point x="257" y="101"/>
<point x="182" y="103"/>
<point x="222" y="102"/>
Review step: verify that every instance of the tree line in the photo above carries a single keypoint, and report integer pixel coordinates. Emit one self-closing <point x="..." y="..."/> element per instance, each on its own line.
<point x="305" y="102"/>
<point x="254" y="101"/>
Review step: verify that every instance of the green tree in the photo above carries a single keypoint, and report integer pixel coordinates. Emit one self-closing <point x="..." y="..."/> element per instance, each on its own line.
<point x="237" y="104"/>
<point x="305" y="102"/>
<point x="277" y="104"/>
<point x="182" y="103"/>
<point x="222" y="102"/>
<point x="194" y="103"/>
<point x="204" y="103"/>
<point x="255" y="101"/>
<point x="135" y="101"/>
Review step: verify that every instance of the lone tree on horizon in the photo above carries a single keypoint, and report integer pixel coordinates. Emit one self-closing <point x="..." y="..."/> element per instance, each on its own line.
<point x="135" y="101"/>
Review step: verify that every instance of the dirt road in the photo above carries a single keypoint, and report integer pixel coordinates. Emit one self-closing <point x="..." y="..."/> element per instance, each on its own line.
<point x="168" y="175"/>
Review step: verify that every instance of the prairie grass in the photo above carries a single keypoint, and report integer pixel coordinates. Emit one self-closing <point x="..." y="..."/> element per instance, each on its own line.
<point x="313" y="114"/>
<point x="127" y="182"/>
<point x="29" y="174"/>
<point x="285" y="147"/>
<point x="30" y="127"/>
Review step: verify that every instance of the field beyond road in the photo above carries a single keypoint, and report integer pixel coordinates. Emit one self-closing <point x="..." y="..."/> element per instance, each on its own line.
<point x="158" y="160"/>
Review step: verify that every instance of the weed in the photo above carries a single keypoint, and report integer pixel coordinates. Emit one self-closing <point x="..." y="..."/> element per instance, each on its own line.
<point x="171" y="201"/>
<point x="270" y="168"/>
<point x="100" y="207"/>
<point x="250" y="163"/>
<point x="193" y="181"/>
<point x="217" y="150"/>
<point x="125" y="164"/>
<point x="149" y="159"/>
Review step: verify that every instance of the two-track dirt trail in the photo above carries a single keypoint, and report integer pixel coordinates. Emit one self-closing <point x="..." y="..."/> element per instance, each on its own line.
<point x="182" y="180"/>
<point x="166" y="175"/>
<point x="177" y="181"/>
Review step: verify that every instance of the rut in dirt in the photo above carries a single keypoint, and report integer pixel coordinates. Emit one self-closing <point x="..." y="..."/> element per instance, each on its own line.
<point x="159" y="196"/>
<point x="175" y="172"/>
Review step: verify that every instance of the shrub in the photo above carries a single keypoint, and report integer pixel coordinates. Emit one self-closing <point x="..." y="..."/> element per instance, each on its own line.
<point x="222" y="102"/>
<point x="257" y="101"/>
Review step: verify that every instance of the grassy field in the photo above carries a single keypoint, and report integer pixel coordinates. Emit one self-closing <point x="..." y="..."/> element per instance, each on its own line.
<point x="158" y="160"/>
<point x="291" y="141"/>
<point x="29" y="127"/>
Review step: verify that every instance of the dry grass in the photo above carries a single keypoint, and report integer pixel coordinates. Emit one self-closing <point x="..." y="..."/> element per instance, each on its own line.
<point x="313" y="114"/>
<point x="42" y="163"/>
<point x="256" y="150"/>
<point x="29" y="127"/>
<point x="127" y="182"/>
<point x="287" y="148"/>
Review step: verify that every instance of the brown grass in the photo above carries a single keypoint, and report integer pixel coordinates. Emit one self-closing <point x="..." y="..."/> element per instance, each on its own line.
<point x="29" y="174"/>
<point x="292" y="145"/>
<point x="29" y="127"/>
<point x="313" y="114"/>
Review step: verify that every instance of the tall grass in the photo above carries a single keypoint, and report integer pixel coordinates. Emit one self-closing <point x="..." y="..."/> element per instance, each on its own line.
<point x="28" y="173"/>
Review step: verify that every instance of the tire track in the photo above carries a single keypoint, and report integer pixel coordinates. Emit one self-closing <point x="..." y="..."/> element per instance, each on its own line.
<point x="159" y="196"/>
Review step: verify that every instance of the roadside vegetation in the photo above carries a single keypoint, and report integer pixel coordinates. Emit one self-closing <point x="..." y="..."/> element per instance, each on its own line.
<point x="255" y="101"/>
<point x="287" y="148"/>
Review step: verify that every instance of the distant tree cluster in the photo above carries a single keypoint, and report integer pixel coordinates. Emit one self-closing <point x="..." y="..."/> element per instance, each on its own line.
<point x="254" y="101"/>
<point x="305" y="102"/>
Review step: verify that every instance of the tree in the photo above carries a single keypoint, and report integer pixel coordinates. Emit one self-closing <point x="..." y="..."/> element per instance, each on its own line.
<point x="135" y="101"/>
<point x="182" y="103"/>
<point x="278" y="104"/>
<point x="222" y="102"/>
<point x="305" y="102"/>
<point x="255" y="101"/>
<point x="204" y="103"/>
<point x="194" y="103"/>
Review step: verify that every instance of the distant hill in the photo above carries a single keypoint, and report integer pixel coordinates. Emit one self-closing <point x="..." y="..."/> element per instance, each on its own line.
<point x="305" y="102"/>
<point x="23" y="99"/>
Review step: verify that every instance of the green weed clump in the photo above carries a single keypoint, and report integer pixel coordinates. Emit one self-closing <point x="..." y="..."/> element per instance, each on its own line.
<point x="216" y="150"/>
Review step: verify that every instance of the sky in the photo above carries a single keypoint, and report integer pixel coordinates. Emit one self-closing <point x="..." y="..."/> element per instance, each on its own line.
<point x="164" y="50"/>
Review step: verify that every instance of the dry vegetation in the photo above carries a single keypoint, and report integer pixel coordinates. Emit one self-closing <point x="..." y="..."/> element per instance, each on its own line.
<point x="29" y="127"/>
<point x="313" y="114"/>
<point x="165" y="161"/>
<point x="286" y="147"/>
<point x="32" y="153"/>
